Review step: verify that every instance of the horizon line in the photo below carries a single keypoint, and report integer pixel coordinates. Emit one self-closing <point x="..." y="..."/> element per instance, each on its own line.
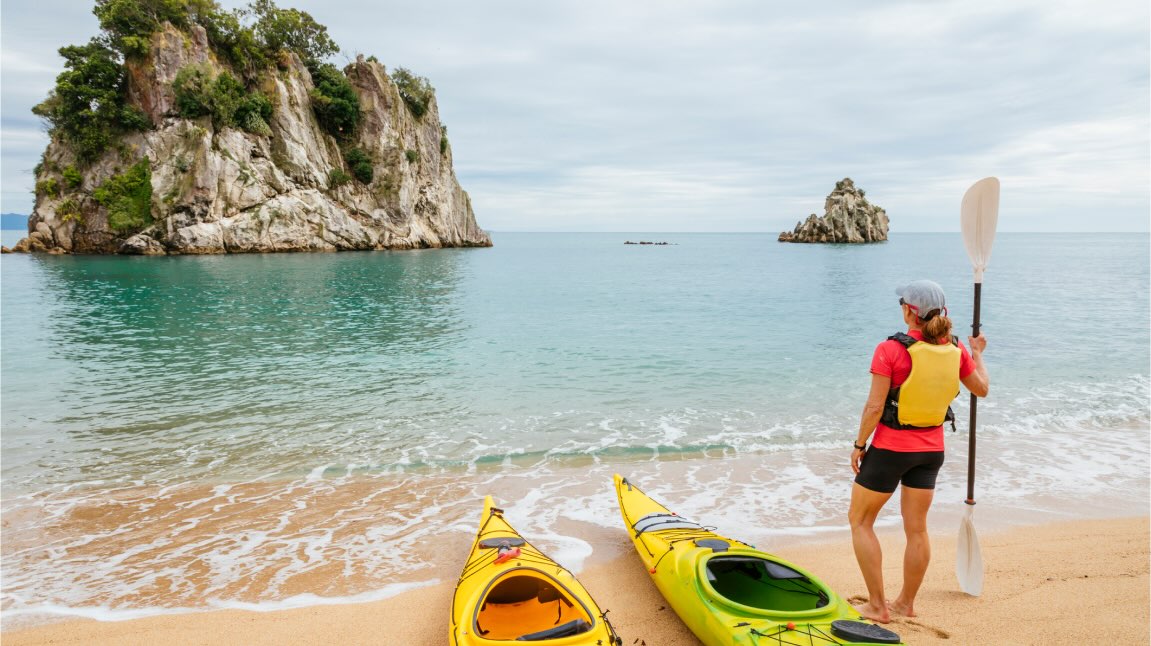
<point x="774" y="233"/>
<point x="1063" y="232"/>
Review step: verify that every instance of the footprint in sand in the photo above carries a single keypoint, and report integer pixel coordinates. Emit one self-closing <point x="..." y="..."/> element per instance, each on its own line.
<point x="937" y="632"/>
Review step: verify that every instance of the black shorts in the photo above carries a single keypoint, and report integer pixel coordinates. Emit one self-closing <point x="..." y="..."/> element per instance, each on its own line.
<point x="881" y="470"/>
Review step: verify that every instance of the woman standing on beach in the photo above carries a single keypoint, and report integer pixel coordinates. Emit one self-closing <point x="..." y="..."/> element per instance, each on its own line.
<point x="906" y="412"/>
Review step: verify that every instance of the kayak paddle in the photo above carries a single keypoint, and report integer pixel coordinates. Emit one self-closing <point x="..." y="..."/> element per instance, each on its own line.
<point x="979" y="215"/>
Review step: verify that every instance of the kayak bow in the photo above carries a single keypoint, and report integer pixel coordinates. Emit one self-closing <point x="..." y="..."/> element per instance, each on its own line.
<point x="510" y="592"/>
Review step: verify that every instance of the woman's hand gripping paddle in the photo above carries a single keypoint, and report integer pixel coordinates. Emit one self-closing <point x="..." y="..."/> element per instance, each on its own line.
<point x="980" y="213"/>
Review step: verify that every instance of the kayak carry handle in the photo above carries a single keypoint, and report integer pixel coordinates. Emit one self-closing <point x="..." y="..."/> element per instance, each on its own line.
<point x="507" y="554"/>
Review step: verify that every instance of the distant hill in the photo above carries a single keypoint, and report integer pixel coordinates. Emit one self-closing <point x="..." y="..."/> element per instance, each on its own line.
<point x="13" y="222"/>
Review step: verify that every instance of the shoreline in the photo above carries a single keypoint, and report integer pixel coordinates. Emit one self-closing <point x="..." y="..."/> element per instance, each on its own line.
<point x="1088" y="578"/>
<point x="266" y="546"/>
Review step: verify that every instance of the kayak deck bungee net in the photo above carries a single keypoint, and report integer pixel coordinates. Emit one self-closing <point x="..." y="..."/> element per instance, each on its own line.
<point x="509" y="591"/>
<point x="729" y="593"/>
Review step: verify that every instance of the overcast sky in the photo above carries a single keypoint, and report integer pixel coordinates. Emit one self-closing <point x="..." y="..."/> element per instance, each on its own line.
<point x="590" y="115"/>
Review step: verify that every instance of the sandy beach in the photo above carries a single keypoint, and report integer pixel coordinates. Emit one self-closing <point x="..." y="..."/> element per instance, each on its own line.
<point x="1076" y="582"/>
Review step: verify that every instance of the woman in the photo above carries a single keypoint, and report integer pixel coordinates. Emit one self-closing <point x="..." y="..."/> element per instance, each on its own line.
<point x="906" y="412"/>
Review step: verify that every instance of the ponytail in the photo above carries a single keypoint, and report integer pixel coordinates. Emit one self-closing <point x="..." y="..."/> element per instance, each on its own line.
<point x="936" y="327"/>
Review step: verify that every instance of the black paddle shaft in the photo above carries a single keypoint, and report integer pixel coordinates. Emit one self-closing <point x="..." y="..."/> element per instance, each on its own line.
<point x="971" y="431"/>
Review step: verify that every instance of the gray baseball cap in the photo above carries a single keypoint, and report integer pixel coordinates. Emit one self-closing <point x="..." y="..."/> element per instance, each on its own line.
<point x="923" y="296"/>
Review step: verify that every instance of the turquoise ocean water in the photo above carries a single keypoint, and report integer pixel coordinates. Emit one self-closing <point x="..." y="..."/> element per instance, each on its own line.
<point x="195" y="432"/>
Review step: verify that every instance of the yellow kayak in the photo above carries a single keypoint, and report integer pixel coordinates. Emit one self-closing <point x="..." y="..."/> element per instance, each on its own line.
<point x="510" y="592"/>
<point x="728" y="592"/>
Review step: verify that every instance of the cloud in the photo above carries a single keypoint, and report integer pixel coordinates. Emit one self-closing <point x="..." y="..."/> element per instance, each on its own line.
<point x="734" y="115"/>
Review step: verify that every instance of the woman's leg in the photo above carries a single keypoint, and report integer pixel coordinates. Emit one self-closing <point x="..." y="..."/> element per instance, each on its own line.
<point x="865" y="506"/>
<point x="914" y="503"/>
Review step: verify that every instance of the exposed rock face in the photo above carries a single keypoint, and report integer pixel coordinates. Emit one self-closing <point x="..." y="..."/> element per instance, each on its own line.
<point x="231" y="191"/>
<point x="848" y="217"/>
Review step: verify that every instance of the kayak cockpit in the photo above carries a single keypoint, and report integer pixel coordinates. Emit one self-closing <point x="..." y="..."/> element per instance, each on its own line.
<point x="527" y="605"/>
<point x="763" y="584"/>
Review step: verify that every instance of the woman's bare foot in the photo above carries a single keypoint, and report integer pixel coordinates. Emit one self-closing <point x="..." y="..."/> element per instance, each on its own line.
<point x="875" y="613"/>
<point x="902" y="609"/>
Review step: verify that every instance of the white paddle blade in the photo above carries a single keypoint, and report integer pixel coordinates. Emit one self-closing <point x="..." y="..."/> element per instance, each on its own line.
<point x="969" y="561"/>
<point x="980" y="215"/>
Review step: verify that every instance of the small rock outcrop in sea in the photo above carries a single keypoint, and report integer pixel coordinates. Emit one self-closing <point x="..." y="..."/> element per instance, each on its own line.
<point x="848" y="217"/>
<point x="213" y="149"/>
<point x="648" y="242"/>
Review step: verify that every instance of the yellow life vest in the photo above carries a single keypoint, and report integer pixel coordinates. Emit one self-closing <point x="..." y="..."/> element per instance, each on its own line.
<point x="924" y="399"/>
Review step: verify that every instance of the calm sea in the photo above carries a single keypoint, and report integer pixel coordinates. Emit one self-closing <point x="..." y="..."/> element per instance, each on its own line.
<point x="192" y="432"/>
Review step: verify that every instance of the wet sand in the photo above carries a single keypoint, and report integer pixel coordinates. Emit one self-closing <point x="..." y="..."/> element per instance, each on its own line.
<point x="1077" y="582"/>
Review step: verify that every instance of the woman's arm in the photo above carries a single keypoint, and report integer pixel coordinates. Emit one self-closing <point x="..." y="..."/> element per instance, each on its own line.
<point x="977" y="382"/>
<point x="872" y="411"/>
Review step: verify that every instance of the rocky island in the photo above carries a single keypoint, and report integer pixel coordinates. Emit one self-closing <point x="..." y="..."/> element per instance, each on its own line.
<point x="848" y="217"/>
<point x="187" y="129"/>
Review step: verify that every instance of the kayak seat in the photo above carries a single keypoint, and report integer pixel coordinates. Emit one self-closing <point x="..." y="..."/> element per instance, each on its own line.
<point x="761" y="583"/>
<point x="526" y="603"/>
<point x="573" y="627"/>
<point x="515" y="589"/>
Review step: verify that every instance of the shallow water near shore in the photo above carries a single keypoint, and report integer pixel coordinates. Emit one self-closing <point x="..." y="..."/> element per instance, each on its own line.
<point x="193" y="432"/>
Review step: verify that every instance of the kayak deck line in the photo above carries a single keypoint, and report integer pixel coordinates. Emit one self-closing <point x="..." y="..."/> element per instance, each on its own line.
<point x="663" y="522"/>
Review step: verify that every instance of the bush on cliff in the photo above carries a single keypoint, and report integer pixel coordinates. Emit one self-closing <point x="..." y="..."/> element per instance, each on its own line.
<point x="87" y="108"/>
<point x="290" y="29"/>
<point x="128" y="198"/>
<point x="416" y="91"/>
<point x="337" y="178"/>
<point x="237" y="42"/>
<point x="223" y="97"/>
<point x="193" y="88"/>
<point x="360" y="164"/>
<point x="48" y="187"/>
<point x="129" y="24"/>
<point x="254" y="113"/>
<point x="72" y="177"/>
<point x="334" y="100"/>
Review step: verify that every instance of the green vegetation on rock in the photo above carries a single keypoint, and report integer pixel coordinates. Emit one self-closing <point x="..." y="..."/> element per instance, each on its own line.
<point x="128" y="198"/>
<point x="72" y="177"/>
<point x="129" y="24"/>
<point x="334" y="100"/>
<point x="68" y="210"/>
<point x="337" y="178"/>
<point x="290" y="29"/>
<point x="48" y="187"/>
<point x="193" y="88"/>
<point x="237" y="42"/>
<point x="416" y="91"/>
<point x="248" y="36"/>
<point x="87" y="108"/>
<point x="88" y="111"/>
<point x="360" y="164"/>
<point x="223" y="97"/>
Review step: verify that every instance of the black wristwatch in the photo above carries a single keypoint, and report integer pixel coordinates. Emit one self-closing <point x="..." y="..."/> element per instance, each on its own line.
<point x="860" y="448"/>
